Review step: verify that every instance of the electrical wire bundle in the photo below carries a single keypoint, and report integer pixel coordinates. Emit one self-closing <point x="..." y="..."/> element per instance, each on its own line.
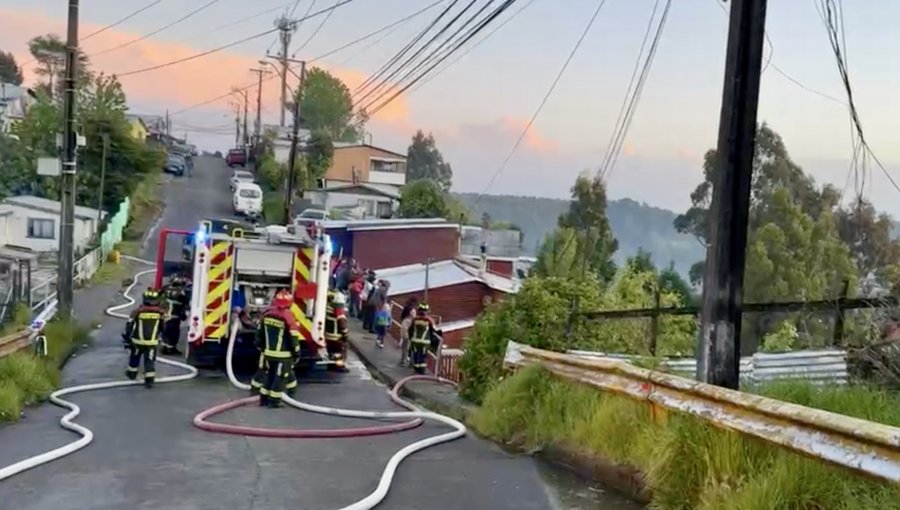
<point x="417" y="59"/>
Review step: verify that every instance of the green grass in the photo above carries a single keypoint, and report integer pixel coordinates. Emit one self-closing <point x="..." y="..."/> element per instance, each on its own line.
<point x="26" y="379"/>
<point x="273" y="207"/>
<point x="688" y="464"/>
<point x="21" y="317"/>
<point x="146" y="205"/>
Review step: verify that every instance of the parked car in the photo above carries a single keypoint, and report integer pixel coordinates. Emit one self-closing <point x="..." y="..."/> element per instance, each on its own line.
<point x="247" y="200"/>
<point x="236" y="157"/>
<point x="175" y="165"/>
<point x="240" y="176"/>
<point x="310" y="217"/>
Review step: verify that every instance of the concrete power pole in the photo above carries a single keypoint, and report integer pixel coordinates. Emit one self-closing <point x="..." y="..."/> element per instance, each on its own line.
<point x="65" y="282"/>
<point x="723" y="280"/>
<point x="292" y="157"/>
<point x="257" y="128"/>
<point x="286" y="30"/>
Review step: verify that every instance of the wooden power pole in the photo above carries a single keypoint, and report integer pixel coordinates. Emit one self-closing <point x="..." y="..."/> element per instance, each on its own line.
<point x="723" y="281"/>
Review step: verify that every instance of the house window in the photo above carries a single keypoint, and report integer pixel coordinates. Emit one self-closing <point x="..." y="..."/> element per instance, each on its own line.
<point x="41" y="228"/>
<point x="397" y="167"/>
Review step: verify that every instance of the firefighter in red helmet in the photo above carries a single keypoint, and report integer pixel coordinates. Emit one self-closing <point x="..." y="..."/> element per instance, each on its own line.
<point x="278" y="338"/>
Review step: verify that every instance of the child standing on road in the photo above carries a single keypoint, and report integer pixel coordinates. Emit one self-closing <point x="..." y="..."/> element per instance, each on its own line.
<point x="382" y="322"/>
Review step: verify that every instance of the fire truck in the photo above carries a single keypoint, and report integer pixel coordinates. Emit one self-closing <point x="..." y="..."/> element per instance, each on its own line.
<point x="235" y="265"/>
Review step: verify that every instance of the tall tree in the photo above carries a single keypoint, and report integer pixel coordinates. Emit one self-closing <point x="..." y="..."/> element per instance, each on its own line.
<point x="425" y="161"/>
<point x="10" y="72"/>
<point x="319" y="154"/>
<point x="859" y="226"/>
<point x="558" y="255"/>
<point x="327" y="106"/>
<point x="423" y="199"/>
<point x="587" y="217"/>
<point x="49" y="51"/>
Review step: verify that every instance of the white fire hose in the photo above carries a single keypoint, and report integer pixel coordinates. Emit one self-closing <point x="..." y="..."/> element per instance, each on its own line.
<point x="74" y="410"/>
<point x="367" y="503"/>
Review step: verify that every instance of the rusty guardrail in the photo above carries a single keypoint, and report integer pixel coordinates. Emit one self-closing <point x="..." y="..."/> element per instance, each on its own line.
<point x="862" y="446"/>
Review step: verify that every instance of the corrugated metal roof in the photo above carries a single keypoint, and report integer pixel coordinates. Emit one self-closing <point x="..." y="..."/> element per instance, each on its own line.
<point x="447" y="327"/>
<point x="48" y="205"/>
<point x="393" y="223"/>
<point x="411" y="278"/>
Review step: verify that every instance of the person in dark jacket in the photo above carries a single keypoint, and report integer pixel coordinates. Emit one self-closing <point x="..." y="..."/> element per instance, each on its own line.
<point x="141" y="337"/>
<point x="176" y="311"/>
<point x="278" y="338"/>
<point x="377" y="300"/>
<point x="422" y="332"/>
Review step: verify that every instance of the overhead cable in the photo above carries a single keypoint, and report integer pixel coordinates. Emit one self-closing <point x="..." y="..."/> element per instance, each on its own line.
<point x="544" y="100"/>
<point x="226" y="46"/>
<point x="208" y="4"/>
<point x="120" y="21"/>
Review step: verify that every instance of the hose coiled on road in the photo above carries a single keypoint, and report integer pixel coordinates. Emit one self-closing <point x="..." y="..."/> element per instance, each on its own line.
<point x="66" y="422"/>
<point x="387" y="476"/>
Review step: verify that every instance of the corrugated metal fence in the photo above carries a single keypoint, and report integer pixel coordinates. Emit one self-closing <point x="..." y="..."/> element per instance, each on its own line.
<point x="819" y="366"/>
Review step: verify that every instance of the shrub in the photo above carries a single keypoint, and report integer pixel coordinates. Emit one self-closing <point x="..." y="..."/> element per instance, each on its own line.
<point x="10" y="401"/>
<point x="539" y="315"/>
<point x="34" y="377"/>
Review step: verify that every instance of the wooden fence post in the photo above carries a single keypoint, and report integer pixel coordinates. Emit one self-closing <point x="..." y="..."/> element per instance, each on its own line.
<point x="838" y="333"/>
<point x="654" y="320"/>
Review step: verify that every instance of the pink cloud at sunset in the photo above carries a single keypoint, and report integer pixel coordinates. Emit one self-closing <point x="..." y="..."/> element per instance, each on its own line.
<point x="175" y="87"/>
<point x="500" y="134"/>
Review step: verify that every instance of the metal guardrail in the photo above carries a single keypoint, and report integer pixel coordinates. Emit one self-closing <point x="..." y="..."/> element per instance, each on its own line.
<point x="85" y="268"/>
<point x="30" y="335"/>
<point x="817" y="366"/>
<point x="862" y="446"/>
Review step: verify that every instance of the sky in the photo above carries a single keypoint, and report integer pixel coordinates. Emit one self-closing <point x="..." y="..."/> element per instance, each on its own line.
<point x="477" y="108"/>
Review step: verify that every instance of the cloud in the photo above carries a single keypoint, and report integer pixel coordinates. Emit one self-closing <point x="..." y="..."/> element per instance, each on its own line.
<point x="174" y="87"/>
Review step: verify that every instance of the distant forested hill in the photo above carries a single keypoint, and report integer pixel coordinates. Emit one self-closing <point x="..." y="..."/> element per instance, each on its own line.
<point x="634" y="224"/>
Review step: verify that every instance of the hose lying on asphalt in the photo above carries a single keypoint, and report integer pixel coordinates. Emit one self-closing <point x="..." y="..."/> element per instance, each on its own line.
<point x="66" y="421"/>
<point x="387" y="475"/>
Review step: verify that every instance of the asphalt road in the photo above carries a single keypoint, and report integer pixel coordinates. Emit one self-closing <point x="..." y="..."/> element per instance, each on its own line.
<point x="147" y="455"/>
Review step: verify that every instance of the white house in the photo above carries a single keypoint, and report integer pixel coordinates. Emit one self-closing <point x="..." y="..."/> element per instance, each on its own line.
<point x="14" y="102"/>
<point x="359" y="201"/>
<point x="33" y="223"/>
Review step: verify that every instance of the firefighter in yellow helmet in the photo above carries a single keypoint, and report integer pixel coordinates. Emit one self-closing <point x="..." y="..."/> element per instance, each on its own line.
<point x="337" y="331"/>
<point x="141" y="337"/>
<point x="278" y="340"/>
<point x="421" y="332"/>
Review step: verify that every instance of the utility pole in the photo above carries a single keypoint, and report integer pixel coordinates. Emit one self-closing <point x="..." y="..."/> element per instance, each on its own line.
<point x="286" y="30"/>
<point x="723" y="280"/>
<point x="292" y="157"/>
<point x="168" y="129"/>
<point x="237" y="125"/>
<point x="257" y="129"/>
<point x="105" y="136"/>
<point x="246" y="135"/>
<point x="66" y="274"/>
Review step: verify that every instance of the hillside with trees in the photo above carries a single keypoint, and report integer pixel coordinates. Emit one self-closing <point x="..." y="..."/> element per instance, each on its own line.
<point x="635" y="226"/>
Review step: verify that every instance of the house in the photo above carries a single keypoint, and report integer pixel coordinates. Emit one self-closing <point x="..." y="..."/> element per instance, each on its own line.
<point x="14" y="103"/>
<point x="362" y="163"/>
<point x="377" y="244"/>
<point x="139" y="130"/>
<point x="497" y="243"/>
<point x="457" y="293"/>
<point x="358" y="201"/>
<point x="33" y="223"/>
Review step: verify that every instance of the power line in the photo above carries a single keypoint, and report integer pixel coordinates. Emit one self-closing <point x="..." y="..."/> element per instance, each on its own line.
<point x="252" y="17"/>
<point x="119" y="22"/>
<point x="226" y="46"/>
<point x="428" y="59"/>
<point x="472" y="33"/>
<point x="613" y="152"/>
<point x="471" y="48"/>
<point x="397" y="56"/>
<point x="315" y="32"/>
<point x="384" y="81"/>
<point x="543" y="102"/>
<point x="271" y="76"/>
<point x="151" y="34"/>
<point x="380" y="30"/>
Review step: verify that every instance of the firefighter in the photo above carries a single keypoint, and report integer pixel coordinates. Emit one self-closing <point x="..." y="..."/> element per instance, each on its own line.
<point x="141" y="337"/>
<point x="278" y="339"/>
<point x="176" y="311"/>
<point x="337" y="331"/>
<point x="421" y="332"/>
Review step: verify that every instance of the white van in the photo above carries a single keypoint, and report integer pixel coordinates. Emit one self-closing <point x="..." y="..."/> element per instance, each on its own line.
<point x="248" y="199"/>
